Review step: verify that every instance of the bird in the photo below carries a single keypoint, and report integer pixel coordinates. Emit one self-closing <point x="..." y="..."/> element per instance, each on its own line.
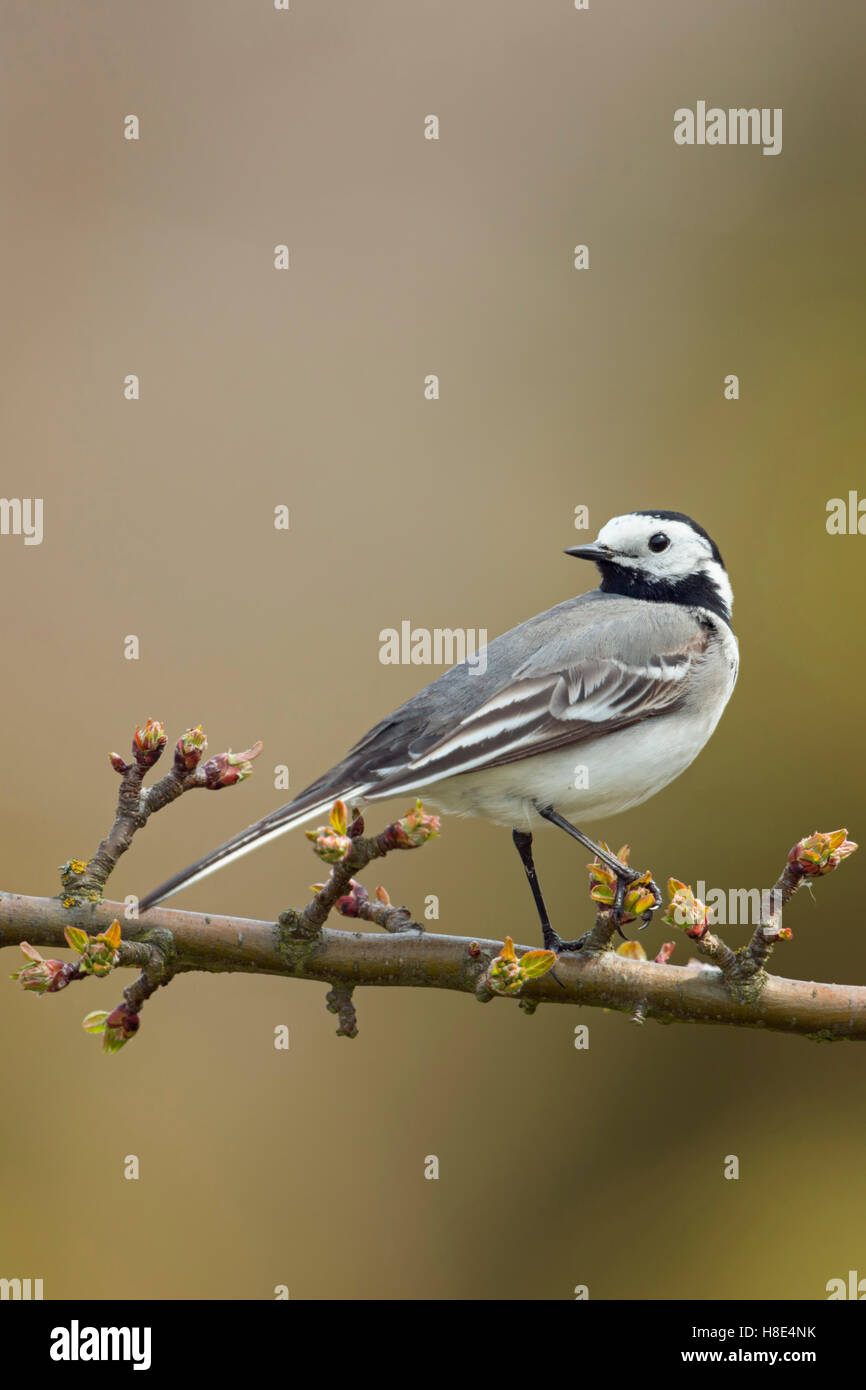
<point x="581" y="712"/>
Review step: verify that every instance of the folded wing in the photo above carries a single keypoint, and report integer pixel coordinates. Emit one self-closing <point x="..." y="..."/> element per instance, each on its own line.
<point x="540" y="710"/>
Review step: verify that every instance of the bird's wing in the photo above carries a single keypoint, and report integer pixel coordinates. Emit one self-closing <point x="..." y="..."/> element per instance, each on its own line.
<point x="549" y="703"/>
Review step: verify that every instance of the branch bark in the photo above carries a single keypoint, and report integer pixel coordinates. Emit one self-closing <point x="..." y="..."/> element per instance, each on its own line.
<point x="412" y="959"/>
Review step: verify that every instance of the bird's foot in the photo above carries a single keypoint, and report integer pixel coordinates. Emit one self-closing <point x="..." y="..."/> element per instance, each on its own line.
<point x="554" y="942"/>
<point x="623" y="882"/>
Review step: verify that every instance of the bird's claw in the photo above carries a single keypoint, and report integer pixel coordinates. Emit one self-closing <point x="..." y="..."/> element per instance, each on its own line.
<point x="554" y="942"/>
<point x="648" y="915"/>
<point x="622" y="884"/>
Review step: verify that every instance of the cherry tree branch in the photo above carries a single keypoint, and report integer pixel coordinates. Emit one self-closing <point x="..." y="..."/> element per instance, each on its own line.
<point x="417" y="960"/>
<point x="721" y="986"/>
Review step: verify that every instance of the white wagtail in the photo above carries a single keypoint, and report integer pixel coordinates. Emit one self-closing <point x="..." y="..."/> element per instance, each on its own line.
<point x="580" y="712"/>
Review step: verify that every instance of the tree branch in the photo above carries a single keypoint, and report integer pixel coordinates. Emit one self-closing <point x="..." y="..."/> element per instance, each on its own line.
<point x="728" y="987"/>
<point x="343" y="960"/>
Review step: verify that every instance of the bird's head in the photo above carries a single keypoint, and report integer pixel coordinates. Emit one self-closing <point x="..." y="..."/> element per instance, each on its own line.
<point x="663" y="557"/>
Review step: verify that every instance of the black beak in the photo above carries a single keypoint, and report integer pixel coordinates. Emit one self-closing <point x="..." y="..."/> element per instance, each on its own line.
<point x="591" y="552"/>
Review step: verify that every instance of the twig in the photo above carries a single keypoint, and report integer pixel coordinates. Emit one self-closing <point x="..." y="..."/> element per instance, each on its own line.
<point x="85" y="882"/>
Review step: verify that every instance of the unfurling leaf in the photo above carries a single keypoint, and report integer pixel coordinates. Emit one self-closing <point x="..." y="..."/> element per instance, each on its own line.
<point x="77" y="939"/>
<point x="148" y="743"/>
<point x="821" y="853"/>
<point x="685" y="910"/>
<point x="328" y="845"/>
<point x="631" y="950"/>
<point x="95" y="1022"/>
<point x="225" y="769"/>
<point x="506" y="974"/>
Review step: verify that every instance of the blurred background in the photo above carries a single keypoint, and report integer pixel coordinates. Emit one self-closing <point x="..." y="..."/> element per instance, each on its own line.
<point x="601" y="388"/>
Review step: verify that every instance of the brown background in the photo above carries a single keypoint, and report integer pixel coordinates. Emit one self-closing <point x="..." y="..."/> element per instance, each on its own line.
<point x="602" y="388"/>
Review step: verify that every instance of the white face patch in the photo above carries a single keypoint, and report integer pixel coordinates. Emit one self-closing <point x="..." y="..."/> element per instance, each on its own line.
<point x="687" y="553"/>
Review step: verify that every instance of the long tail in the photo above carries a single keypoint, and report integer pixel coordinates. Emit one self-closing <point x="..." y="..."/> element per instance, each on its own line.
<point x="304" y="808"/>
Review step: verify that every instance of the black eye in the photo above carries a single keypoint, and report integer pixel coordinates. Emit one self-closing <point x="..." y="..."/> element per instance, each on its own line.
<point x="659" y="542"/>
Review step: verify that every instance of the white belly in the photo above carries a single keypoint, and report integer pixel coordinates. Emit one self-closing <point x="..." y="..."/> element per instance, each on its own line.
<point x="583" y="783"/>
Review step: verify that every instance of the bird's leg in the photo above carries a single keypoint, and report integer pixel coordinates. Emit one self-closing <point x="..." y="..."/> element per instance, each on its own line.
<point x="523" y="843"/>
<point x="625" y="876"/>
<point x="552" y="941"/>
